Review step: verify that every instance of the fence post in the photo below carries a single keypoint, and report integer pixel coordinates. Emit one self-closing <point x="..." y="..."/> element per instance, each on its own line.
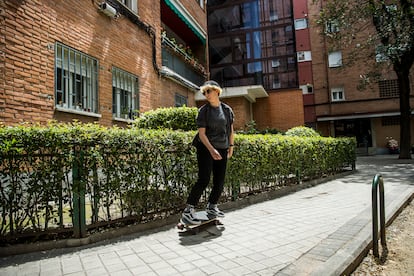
<point x="79" y="218"/>
<point x="378" y="182"/>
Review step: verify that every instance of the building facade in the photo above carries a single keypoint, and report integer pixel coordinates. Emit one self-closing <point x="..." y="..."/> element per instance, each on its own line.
<point x="275" y="47"/>
<point x="335" y="106"/>
<point x="99" y="61"/>
<point x="252" y="54"/>
<point x="106" y="61"/>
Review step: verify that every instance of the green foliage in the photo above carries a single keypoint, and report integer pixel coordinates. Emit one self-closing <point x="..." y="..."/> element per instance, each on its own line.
<point x="380" y="33"/>
<point x="137" y="174"/>
<point x="251" y="129"/>
<point x="302" y="131"/>
<point x="175" y="118"/>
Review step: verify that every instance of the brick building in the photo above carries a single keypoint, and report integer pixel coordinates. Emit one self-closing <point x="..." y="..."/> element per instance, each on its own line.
<point x="335" y="106"/>
<point x="98" y="61"/>
<point x="252" y="54"/>
<point x="104" y="62"/>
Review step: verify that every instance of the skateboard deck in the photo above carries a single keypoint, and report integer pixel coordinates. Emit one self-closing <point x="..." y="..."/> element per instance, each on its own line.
<point x="201" y="215"/>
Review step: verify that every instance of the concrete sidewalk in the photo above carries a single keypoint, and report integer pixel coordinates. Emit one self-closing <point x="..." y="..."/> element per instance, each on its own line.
<point x="316" y="231"/>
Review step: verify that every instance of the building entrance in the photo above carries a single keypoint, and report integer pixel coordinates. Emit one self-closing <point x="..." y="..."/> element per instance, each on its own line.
<point x="359" y="128"/>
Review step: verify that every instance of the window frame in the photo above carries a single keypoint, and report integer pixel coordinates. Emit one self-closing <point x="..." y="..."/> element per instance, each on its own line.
<point x="340" y="91"/>
<point x="332" y="27"/>
<point x="76" y="81"/>
<point x="180" y="100"/>
<point x="335" y="59"/>
<point x="130" y="4"/>
<point x="301" y="23"/>
<point x="303" y="56"/>
<point x="125" y="91"/>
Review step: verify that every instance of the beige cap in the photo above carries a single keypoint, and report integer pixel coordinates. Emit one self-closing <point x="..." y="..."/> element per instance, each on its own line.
<point x="211" y="84"/>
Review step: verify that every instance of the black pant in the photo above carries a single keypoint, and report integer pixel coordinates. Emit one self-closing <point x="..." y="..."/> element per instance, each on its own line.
<point x="206" y="165"/>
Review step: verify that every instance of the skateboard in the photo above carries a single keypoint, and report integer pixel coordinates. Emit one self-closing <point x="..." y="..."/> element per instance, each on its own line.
<point x="205" y="218"/>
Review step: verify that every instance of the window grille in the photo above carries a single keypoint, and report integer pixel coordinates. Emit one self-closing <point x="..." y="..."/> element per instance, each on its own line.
<point x="76" y="80"/>
<point x="390" y="121"/>
<point x="332" y="27"/>
<point x="388" y="88"/>
<point x="131" y="4"/>
<point x="125" y="97"/>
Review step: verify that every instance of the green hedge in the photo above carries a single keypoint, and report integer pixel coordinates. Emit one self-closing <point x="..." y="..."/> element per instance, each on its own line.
<point x="175" y="118"/>
<point x="134" y="175"/>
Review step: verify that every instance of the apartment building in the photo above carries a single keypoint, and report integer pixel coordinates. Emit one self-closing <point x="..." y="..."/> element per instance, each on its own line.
<point x="252" y="54"/>
<point x="272" y="53"/>
<point x="106" y="61"/>
<point x="335" y="106"/>
<point x="99" y="61"/>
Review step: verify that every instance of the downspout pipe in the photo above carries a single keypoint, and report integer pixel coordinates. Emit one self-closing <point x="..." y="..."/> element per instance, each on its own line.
<point x="148" y="29"/>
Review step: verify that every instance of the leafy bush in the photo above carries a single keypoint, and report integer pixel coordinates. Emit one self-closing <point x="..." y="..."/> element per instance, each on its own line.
<point x="175" y="118"/>
<point x="136" y="174"/>
<point x="302" y="131"/>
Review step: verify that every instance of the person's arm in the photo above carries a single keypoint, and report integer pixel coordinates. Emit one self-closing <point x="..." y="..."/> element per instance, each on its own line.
<point x="231" y="142"/>
<point x="204" y="139"/>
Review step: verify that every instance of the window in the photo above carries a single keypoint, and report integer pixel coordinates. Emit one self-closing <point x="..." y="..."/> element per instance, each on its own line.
<point x="304" y="56"/>
<point x="76" y="80"/>
<point x="275" y="63"/>
<point x="335" y="59"/>
<point x="338" y="94"/>
<point x="180" y="100"/>
<point x="301" y="23"/>
<point x="307" y="89"/>
<point x="390" y="121"/>
<point x="276" y="82"/>
<point x="389" y="88"/>
<point x="273" y="16"/>
<point x="125" y="98"/>
<point x="379" y="54"/>
<point x="332" y="27"/>
<point x="131" y="4"/>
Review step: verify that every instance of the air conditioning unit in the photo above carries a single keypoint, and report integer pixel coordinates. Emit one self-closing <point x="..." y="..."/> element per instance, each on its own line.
<point x="108" y="10"/>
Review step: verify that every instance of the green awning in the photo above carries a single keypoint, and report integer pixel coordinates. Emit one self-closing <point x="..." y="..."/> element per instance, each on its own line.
<point x="186" y="19"/>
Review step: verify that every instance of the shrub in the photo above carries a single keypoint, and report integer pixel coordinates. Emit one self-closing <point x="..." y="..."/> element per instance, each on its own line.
<point x="136" y="175"/>
<point x="175" y="118"/>
<point x="302" y="131"/>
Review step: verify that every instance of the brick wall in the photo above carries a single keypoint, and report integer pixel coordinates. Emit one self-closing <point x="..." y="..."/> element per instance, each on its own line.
<point x="281" y="110"/>
<point x="29" y="31"/>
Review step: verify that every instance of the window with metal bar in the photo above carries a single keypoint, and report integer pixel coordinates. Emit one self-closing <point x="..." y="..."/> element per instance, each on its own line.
<point x="131" y="4"/>
<point x="76" y="80"/>
<point x="388" y="88"/>
<point x="125" y="97"/>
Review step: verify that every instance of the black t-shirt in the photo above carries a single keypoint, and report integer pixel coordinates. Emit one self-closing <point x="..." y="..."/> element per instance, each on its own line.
<point x="216" y="124"/>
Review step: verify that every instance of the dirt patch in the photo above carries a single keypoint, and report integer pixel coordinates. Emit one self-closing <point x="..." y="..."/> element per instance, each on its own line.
<point x="400" y="243"/>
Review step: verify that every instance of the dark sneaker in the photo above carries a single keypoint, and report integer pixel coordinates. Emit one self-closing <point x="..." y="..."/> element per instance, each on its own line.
<point x="189" y="217"/>
<point x="213" y="210"/>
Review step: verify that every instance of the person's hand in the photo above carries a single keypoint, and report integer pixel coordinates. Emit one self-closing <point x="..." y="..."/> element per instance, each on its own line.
<point x="230" y="152"/>
<point x="215" y="154"/>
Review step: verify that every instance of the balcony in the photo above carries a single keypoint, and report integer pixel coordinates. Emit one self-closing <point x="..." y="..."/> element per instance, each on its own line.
<point x="180" y="60"/>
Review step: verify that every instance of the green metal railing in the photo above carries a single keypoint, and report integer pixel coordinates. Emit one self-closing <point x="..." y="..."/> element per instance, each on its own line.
<point x="378" y="186"/>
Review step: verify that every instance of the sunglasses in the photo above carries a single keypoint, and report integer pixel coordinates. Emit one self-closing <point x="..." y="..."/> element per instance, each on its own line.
<point x="208" y="91"/>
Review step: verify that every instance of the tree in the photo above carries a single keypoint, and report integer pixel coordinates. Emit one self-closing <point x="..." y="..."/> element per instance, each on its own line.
<point x="387" y="27"/>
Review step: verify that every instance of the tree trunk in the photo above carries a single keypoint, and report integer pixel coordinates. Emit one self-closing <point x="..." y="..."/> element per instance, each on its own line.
<point x="405" y="118"/>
